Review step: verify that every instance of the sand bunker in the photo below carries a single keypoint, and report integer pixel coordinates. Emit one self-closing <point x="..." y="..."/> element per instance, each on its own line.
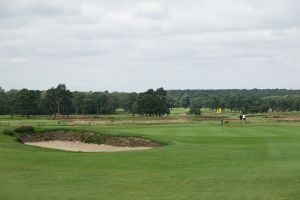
<point x="82" y="147"/>
<point x="87" y="142"/>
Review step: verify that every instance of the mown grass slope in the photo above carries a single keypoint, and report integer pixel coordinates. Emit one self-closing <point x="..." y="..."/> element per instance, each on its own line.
<point x="250" y="161"/>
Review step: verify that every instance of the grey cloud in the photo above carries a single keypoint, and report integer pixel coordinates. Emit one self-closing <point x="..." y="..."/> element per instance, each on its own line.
<point x="152" y="10"/>
<point x="134" y="45"/>
<point x="13" y="8"/>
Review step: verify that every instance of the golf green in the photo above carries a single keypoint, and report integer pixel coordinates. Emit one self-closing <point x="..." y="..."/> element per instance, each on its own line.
<point x="248" y="161"/>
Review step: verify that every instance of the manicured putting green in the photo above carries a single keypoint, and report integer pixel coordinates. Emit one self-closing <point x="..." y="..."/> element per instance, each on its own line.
<point x="251" y="161"/>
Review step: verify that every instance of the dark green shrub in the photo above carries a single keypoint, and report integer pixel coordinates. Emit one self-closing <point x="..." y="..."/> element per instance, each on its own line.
<point x="195" y="110"/>
<point x="92" y="139"/>
<point x="9" y="132"/>
<point x="264" y="108"/>
<point x="98" y="140"/>
<point x="25" y="129"/>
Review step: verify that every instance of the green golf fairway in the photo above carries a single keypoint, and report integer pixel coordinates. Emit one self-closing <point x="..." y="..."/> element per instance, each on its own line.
<point x="259" y="160"/>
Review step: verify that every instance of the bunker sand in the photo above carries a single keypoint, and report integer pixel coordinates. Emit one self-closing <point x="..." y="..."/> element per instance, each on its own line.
<point x="83" y="147"/>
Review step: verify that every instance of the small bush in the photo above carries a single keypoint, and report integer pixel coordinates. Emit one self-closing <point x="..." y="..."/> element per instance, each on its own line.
<point x="9" y="132"/>
<point x="25" y="129"/>
<point x="264" y="108"/>
<point x="92" y="139"/>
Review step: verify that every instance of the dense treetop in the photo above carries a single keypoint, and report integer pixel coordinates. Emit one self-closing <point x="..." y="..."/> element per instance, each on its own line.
<point x="61" y="101"/>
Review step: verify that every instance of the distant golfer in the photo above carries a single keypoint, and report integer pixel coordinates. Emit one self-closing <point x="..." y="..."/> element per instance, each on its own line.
<point x="244" y="117"/>
<point x="241" y="117"/>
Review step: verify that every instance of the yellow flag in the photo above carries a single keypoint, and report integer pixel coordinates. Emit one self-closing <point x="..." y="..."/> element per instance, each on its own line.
<point x="219" y="111"/>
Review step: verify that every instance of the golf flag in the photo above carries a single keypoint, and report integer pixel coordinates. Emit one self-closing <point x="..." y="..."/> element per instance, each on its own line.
<point x="219" y="111"/>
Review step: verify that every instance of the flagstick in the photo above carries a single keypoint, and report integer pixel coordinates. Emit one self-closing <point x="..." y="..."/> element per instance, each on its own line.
<point x="219" y="111"/>
<point x="222" y="129"/>
<point x="222" y="123"/>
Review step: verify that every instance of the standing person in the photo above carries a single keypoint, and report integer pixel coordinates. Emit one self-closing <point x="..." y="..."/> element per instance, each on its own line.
<point x="241" y="117"/>
<point x="244" y="117"/>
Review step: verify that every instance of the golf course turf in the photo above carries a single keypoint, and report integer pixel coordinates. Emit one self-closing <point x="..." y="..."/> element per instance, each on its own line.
<point x="257" y="160"/>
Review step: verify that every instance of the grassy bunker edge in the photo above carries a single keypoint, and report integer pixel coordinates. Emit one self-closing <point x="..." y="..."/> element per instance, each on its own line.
<point x="25" y="134"/>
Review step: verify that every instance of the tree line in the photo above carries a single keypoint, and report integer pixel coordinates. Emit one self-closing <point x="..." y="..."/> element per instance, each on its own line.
<point x="60" y="101"/>
<point x="244" y="101"/>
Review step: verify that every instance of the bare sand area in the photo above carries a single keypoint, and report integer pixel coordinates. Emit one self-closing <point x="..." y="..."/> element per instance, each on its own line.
<point x="82" y="147"/>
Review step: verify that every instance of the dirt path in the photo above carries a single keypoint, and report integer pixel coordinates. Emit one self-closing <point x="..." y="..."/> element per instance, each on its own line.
<point x="83" y="147"/>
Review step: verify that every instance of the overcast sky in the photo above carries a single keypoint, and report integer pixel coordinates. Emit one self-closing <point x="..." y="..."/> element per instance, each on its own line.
<point x="133" y="45"/>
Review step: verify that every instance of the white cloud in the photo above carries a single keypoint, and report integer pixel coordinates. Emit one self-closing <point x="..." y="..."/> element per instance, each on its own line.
<point x="135" y="45"/>
<point x="152" y="10"/>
